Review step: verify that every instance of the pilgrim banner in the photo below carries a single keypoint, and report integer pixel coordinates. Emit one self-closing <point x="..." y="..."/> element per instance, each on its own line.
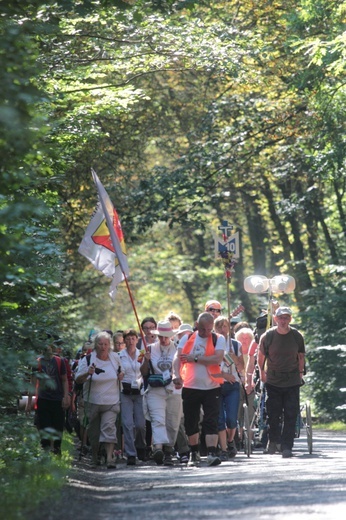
<point x="103" y="243"/>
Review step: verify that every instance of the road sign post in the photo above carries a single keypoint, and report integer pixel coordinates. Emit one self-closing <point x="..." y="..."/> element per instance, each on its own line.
<point x="227" y="249"/>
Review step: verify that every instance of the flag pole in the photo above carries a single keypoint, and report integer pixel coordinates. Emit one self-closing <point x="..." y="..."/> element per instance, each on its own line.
<point x="135" y="313"/>
<point x="104" y="200"/>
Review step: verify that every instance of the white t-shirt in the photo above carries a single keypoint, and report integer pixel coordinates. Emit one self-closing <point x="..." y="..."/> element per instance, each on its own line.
<point x="131" y="367"/>
<point x="104" y="387"/>
<point x="162" y="357"/>
<point x="198" y="377"/>
<point x="162" y="360"/>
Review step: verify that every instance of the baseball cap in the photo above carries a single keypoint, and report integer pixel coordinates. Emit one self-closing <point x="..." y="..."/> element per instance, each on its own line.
<point x="283" y="310"/>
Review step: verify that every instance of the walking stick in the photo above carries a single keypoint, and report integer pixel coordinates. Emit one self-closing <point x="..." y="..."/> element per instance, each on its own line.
<point x="85" y="418"/>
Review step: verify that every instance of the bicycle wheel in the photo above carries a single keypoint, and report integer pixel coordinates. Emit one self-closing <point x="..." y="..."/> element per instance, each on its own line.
<point x="246" y="431"/>
<point x="298" y="425"/>
<point x="308" y="426"/>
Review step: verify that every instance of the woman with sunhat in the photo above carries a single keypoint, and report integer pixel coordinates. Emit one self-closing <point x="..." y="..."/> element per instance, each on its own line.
<point x="163" y="401"/>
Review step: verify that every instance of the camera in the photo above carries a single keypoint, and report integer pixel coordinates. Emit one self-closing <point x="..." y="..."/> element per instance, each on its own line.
<point x="99" y="371"/>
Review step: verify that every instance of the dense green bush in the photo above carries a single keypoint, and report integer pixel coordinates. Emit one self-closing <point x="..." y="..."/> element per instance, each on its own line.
<point x="27" y="473"/>
<point x="326" y="378"/>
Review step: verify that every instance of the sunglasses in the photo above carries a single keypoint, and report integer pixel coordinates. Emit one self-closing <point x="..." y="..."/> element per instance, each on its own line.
<point x="211" y="309"/>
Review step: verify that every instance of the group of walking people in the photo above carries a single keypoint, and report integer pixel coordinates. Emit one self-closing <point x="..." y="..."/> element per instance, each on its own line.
<point x="182" y="388"/>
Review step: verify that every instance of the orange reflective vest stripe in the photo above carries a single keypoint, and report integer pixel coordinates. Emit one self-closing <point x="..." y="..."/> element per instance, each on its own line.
<point x="209" y="351"/>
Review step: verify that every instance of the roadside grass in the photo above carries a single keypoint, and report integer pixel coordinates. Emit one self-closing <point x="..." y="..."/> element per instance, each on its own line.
<point x="336" y="426"/>
<point x="27" y="474"/>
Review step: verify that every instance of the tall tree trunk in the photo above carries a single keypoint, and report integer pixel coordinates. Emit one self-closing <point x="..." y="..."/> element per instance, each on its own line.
<point x="257" y="232"/>
<point x="280" y="228"/>
<point x="340" y="204"/>
<point x="329" y="241"/>
<point x="303" y="281"/>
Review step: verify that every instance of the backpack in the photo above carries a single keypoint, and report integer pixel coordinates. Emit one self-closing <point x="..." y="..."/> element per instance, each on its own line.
<point x="261" y="325"/>
<point x="39" y="368"/>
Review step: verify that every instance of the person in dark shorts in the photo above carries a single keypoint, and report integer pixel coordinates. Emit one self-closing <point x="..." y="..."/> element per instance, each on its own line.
<point x="198" y="360"/>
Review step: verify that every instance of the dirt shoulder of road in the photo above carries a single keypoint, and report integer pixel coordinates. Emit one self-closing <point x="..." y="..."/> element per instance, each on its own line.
<point x="70" y="500"/>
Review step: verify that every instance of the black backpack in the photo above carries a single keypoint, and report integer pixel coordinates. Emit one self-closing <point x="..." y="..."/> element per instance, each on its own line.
<point x="261" y="325"/>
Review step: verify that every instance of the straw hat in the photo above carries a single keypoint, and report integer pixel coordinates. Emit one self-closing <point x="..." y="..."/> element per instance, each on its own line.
<point x="164" y="328"/>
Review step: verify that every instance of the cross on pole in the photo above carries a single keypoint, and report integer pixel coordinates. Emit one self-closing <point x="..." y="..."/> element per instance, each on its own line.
<point x="226" y="229"/>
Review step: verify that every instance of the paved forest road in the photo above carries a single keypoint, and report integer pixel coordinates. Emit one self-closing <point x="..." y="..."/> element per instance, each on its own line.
<point x="260" y="487"/>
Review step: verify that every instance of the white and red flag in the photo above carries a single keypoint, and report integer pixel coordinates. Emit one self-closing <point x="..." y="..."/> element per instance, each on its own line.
<point x="103" y="243"/>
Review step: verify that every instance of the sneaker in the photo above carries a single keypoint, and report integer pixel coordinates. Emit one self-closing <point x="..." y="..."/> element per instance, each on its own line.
<point x="232" y="450"/>
<point x="224" y="456"/>
<point x="111" y="464"/>
<point x="84" y="450"/>
<point x="158" y="457"/>
<point x="213" y="460"/>
<point x="131" y="460"/>
<point x="271" y="448"/>
<point x="168" y="460"/>
<point x="287" y="454"/>
<point x="194" y="459"/>
<point x="184" y="458"/>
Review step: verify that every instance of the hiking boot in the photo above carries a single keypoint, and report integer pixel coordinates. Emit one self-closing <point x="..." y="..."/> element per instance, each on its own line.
<point x="142" y="454"/>
<point x="131" y="460"/>
<point x="286" y="454"/>
<point x="158" y="456"/>
<point x="95" y="459"/>
<point x="232" y="450"/>
<point x="84" y="450"/>
<point x="111" y="464"/>
<point x="168" y="460"/>
<point x="271" y="448"/>
<point x="194" y="459"/>
<point x="184" y="458"/>
<point x="213" y="460"/>
<point x="224" y="456"/>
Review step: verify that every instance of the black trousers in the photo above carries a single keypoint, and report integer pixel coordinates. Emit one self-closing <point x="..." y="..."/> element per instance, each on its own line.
<point x="51" y="416"/>
<point x="193" y="399"/>
<point x="282" y="406"/>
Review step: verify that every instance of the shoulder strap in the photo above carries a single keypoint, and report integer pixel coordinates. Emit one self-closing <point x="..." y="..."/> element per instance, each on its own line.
<point x="298" y="337"/>
<point x="235" y="346"/>
<point x="214" y="336"/>
<point x="58" y="362"/>
<point x="151" y="368"/>
<point x="267" y="339"/>
<point x="88" y="357"/>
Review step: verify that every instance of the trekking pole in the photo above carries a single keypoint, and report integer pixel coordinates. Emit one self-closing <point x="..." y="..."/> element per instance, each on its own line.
<point x="85" y="418"/>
